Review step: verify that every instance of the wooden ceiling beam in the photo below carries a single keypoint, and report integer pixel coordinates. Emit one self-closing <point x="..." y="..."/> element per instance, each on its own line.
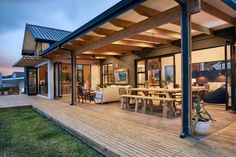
<point x="165" y="17"/>
<point x="134" y="43"/>
<point x="109" y="47"/>
<point x="138" y="37"/>
<point x="168" y="16"/>
<point x="94" y="52"/>
<point x="149" y="12"/>
<point x="120" y="42"/>
<point x="158" y="31"/>
<point x="217" y="13"/>
<point x="118" y="48"/>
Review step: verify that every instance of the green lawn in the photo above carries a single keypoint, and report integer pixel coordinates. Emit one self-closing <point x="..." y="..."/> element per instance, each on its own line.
<point x="23" y="132"/>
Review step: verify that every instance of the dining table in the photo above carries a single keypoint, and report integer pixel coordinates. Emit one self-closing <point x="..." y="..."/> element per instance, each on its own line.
<point x="166" y="92"/>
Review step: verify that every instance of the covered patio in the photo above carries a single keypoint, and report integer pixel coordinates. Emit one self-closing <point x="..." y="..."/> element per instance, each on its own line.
<point x="138" y="27"/>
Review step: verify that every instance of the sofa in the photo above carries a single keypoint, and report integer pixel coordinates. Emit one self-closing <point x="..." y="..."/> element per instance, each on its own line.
<point x="108" y="94"/>
<point x="219" y="96"/>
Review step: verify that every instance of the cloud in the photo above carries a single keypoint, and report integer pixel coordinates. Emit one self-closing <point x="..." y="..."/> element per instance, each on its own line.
<point x="62" y="14"/>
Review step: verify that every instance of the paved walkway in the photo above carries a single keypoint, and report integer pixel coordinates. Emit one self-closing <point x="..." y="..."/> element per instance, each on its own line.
<point x="114" y="136"/>
<point x="15" y="101"/>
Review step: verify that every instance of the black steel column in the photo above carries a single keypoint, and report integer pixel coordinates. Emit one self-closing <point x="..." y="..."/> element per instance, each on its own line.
<point x="73" y="77"/>
<point x="233" y="77"/>
<point x="234" y="70"/>
<point x="226" y="75"/>
<point x="186" y="42"/>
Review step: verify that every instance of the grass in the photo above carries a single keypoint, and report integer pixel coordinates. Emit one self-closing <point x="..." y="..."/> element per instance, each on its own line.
<point x="23" y="133"/>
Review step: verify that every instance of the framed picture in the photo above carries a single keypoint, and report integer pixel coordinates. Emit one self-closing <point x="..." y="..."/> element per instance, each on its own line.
<point x="121" y="76"/>
<point x="169" y="73"/>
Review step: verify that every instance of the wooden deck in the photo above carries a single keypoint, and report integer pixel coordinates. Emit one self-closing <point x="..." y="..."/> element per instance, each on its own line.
<point x="114" y="136"/>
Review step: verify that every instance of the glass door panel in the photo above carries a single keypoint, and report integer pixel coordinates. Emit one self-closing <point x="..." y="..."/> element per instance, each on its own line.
<point x="43" y="80"/>
<point x="80" y="74"/>
<point x="32" y="81"/>
<point x="57" y="80"/>
<point x="140" y="73"/>
<point x="154" y="72"/>
<point x="87" y="76"/>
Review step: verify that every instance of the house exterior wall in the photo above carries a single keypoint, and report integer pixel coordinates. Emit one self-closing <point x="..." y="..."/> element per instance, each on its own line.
<point x="40" y="46"/>
<point x="28" y="42"/>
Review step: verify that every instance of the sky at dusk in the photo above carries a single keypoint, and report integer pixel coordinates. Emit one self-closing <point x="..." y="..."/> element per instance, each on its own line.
<point x="62" y="14"/>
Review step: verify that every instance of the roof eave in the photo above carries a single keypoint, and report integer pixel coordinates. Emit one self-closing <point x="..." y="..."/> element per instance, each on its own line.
<point x="109" y="14"/>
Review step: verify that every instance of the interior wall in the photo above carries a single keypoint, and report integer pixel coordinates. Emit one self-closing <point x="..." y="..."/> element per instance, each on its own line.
<point x="125" y="61"/>
<point x="95" y="75"/>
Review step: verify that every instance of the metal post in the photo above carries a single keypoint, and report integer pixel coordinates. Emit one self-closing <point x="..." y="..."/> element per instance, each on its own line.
<point x="186" y="42"/>
<point x="226" y="75"/>
<point x="233" y="77"/>
<point x="234" y="70"/>
<point x="73" y="77"/>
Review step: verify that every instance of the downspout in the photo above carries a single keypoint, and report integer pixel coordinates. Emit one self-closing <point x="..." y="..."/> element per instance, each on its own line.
<point x="73" y="75"/>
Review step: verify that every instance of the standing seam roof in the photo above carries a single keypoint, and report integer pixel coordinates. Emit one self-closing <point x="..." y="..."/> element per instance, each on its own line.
<point x="46" y="33"/>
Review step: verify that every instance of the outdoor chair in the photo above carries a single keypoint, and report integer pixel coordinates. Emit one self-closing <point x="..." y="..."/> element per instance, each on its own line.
<point x="122" y="91"/>
<point x="81" y="94"/>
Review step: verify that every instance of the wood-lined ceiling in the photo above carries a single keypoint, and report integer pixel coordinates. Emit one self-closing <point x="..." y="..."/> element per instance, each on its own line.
<point x="144" y="27"/>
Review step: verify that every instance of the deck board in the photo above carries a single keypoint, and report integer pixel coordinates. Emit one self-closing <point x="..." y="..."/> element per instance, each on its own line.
<point x="114" y="136"/>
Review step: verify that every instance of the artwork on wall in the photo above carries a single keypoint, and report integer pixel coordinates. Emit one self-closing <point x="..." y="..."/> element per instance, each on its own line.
<point x="121" y="76"/>
<point x="169" y="73"/>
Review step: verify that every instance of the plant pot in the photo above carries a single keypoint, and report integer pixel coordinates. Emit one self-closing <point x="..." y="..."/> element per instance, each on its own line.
<point x="201" y="128"/>
<point x="5" y="92"/>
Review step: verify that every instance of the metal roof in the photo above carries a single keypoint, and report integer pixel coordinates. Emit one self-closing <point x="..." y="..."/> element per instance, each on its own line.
<point x="46" y="34"/>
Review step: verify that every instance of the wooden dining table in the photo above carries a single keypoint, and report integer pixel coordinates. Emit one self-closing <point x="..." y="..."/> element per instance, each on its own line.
<point x="167" y="92"/>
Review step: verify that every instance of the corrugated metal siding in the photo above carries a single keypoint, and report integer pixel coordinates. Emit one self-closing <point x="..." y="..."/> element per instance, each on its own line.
<point x="47" y="34"/>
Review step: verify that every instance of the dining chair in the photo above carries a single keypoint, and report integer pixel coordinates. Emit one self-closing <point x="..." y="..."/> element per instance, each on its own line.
<point x="122" y="91"/>
<point x="81" y="93"/>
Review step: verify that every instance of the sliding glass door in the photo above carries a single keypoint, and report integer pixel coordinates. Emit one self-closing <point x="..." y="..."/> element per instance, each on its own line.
<point x="32" y="81"/>
<point x="155" y="72"/>
<point x="57" y="80"/>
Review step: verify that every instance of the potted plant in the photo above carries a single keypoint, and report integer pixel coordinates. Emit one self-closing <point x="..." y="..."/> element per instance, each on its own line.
<point x="1" y="90"/>
<point x="201" y="118"/>
<point x="5" y="90"/>
<point x="102" y="85"/>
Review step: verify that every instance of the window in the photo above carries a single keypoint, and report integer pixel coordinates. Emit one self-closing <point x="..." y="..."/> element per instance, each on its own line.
<point x="141" y="73"/>
<point x="154" y="72"/>
<point x="107" y="73"/>
<point x="213" y="71"/>
<point x="80" y="74"/>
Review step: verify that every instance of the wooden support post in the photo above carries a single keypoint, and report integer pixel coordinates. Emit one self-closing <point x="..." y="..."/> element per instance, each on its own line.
<point x="186" y="68"/>
<point x="73" y="77"/>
